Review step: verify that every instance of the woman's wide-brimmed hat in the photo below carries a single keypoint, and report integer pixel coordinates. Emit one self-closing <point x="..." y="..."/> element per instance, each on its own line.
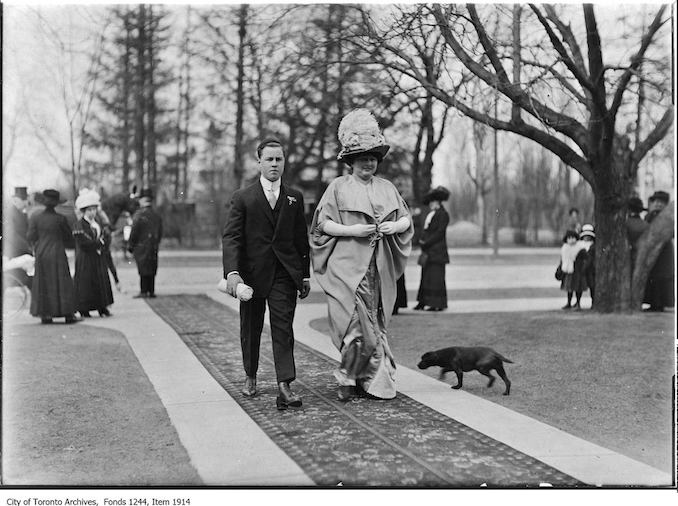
<point x="636" y="205"/>
<point x="87" y="198"/>
<point x="660" y="195"/>
<point x="587" y="231"/>
<point x="51" y="197"/>
<point x="359" y="134"/>
<point x="439" y="193"/>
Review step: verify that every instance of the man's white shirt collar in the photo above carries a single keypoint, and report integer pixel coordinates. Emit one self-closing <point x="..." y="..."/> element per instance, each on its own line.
<point x="270" y="185"/>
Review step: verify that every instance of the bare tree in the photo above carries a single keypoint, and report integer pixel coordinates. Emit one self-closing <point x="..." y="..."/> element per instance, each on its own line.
<point x="589" y="133"/>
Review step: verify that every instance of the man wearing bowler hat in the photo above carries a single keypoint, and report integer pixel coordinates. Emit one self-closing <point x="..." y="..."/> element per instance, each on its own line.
<point x="144" y="241"/>
<point x="15" y="227"/>
<point x="659" y="288"/>
<point x="265" y="245"/>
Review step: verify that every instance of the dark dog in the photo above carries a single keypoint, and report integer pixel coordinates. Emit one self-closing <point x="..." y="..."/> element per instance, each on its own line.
<point x="464" y="359"/>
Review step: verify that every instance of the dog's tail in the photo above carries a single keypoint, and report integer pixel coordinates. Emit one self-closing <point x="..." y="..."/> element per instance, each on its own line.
<point x="502" y="358"/>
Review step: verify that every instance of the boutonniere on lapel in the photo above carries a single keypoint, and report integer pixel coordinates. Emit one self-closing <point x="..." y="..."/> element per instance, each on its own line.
<point x="290" y="200"/>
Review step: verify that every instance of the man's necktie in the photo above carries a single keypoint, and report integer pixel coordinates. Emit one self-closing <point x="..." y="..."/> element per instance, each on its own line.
<point x="272" y="199"/>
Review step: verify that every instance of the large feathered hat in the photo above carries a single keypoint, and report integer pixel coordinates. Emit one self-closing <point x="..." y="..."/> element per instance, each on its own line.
<point x="87" y="198"/>
<point x="359" y="134"/>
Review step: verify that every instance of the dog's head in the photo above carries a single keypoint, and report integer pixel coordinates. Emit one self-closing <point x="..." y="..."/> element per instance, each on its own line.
<point x="428" y="359"/>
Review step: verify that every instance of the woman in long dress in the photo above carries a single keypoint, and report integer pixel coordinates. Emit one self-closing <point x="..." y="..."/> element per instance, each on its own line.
<point x="433" y="242"/>
<point x="52" y="294"/>
<point x="361" y="238"/>
<point x="92" y="285"/>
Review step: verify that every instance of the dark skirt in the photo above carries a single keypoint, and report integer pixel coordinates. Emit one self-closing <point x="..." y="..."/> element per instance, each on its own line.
<point x="401" y="292"/>
<point x="659" y="292"/>
<point x="92" y="285"/>
<point x="432" y="289"/>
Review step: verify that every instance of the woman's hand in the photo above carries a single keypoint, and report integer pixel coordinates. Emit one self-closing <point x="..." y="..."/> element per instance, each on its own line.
<point x="388" y="228"/>
<point x="359" y="230"/>
<point x="394" y="227"/>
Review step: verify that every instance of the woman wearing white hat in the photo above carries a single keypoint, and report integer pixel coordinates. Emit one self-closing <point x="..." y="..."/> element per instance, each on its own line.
<point x="92" y="285"/>
<point x="361" y="238"/>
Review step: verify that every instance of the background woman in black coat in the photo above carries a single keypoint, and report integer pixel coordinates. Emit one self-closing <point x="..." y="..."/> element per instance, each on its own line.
<point x="49" y="233"/>
<point x="92" y="286"/>
<point x="434" y="256"/>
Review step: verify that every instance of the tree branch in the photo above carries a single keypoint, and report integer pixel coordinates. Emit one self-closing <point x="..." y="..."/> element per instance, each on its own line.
<point x="559" y="122"/>
<point x="636" y="60"/>
<point x="579" y="73"/>
<point x="656" y="135"/>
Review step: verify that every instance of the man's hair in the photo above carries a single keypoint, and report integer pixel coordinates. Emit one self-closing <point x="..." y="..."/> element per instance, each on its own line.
<point x="271" y="141"/>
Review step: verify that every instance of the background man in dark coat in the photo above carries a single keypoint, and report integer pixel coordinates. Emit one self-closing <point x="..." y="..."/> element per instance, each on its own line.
<point x="15" y="229"/>
<point x="659" y="288"/>
<point x="265" y="245"/>
<point x="49" y="233"/>
<point x="144" y="241"/>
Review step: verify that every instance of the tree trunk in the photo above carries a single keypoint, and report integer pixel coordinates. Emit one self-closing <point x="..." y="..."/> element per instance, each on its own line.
<point x="613" y="265"/>
<point x="650" y="244"/>
<point x="150" y="102"/>
<point x="240" y="97"/>
<point x="126" y="85"/>
<point x="140" y="102"/>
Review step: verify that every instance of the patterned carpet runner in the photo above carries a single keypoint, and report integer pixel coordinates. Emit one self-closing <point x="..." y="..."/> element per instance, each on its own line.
<point x="397" y="443"/>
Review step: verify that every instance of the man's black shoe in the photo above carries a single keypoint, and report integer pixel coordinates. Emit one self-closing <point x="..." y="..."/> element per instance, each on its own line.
<point x="249" y="389"/>
<point x="140" y="295"/>
<point x="286" y="398"/>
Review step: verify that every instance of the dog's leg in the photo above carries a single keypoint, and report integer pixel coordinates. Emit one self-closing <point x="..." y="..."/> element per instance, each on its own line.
<point x="488" y="373"/>
<point x="460" y="379"/>
<point x="443" y="372"/>
<point x="502" y="375"/>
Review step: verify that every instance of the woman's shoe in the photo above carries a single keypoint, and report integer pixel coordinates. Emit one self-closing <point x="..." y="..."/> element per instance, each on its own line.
<point x="345" y="392"/>
<point x="105" y="312"/>
<point x="419" y="307"/>
<point x="45" y="320"/>
<point x="434" y="309"/>
<point x="567" y="306"/>
<point x="85" y="314"/>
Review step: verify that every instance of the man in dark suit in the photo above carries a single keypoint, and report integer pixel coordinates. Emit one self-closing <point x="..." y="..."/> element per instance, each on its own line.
<point x="144" y="242"/>
<point x="265" y="245"/>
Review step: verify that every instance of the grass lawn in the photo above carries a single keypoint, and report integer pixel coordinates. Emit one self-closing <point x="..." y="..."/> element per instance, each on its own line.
<point x="605" y="378"/>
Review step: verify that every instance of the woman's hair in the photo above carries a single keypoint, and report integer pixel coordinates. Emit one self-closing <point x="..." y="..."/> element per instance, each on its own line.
<point x="570" y="233"/>
<point x="349" y="159"/>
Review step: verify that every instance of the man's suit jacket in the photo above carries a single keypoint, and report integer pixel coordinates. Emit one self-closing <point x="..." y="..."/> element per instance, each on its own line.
<point x="252" y="239"/>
